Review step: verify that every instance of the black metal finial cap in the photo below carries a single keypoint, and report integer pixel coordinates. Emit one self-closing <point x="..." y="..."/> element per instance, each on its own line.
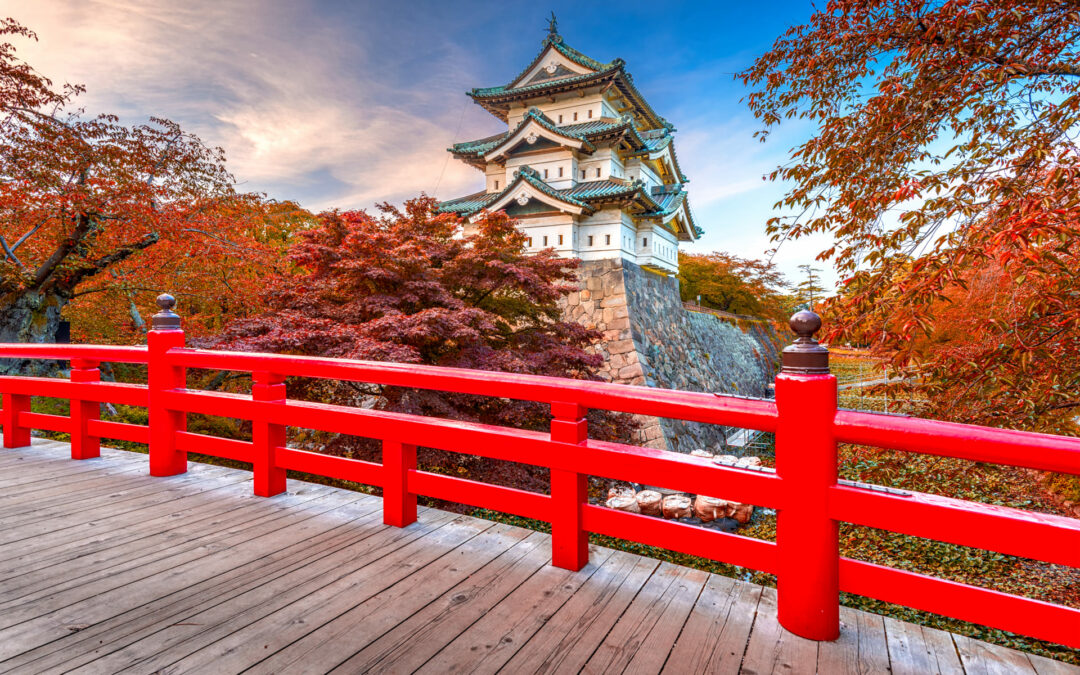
<point x="166" y="319"/>
<point x="805" y="356"/>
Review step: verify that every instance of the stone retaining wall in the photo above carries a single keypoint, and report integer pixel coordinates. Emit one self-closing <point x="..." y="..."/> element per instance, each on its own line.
<point x="650" y="339"/>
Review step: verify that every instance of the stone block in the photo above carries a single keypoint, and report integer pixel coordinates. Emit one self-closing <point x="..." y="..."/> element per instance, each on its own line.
<point x="614" y="301"/>
<point x="585" y="294"/>
<point x="572" y="298"/>
<point x="629" y="372"/>
<point x="621" y="346"/>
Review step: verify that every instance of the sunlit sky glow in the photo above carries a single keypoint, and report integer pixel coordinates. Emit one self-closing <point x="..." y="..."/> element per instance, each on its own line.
<point x="345" y="104"/>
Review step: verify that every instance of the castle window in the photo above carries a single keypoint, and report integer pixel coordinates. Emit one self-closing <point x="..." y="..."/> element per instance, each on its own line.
<point x="496" y="185"/>
<point x="575" y="117"/>
<point x="560" y="119"/>
<point x="607" y="239"/>
<point x="644" y="241"/>
<point x="590" y="113"/>
<point x="560" y="240"/>
<point x="545" y="241"/>
<point x="583" y="174"/>
<point x="545" y="173"/>
<point x="560" y="172"/>
<point x="530" y="242"/>
<point x="597" y="172"/>
<point x="590" y="240"/>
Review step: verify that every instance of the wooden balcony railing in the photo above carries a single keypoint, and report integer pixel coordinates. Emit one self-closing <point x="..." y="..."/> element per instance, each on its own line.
<point x="804" y="488"/>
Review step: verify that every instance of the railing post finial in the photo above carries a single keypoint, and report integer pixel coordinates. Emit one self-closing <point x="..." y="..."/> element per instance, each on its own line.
<point x="805" y="356"/>
<point x="166" y="319"/>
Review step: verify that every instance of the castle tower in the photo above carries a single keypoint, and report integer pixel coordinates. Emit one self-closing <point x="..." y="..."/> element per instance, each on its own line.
<point x="586" y="165"/>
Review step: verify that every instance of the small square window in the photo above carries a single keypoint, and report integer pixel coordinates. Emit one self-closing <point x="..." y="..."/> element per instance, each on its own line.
<point x="575" y="117"/>
<point x="590" y="240"/>
<point x="560" y="240"/>
<point x="607" y="239"/>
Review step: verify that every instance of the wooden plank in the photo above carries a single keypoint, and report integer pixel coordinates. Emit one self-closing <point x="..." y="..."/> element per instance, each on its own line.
<point x="62" y="497"/>
<point x="424" y="612"/>
<point x="771" y="648"/>
<point x="669" y="595"/>
<point x="568" y="639"/>
<point x="48" y="615"/>
<point x="144" y="493"/>
<point x="179" y="535"/>
<point x="105" y="559"/>
<point x="714" y="637"/>
<point x="1045" y="666"/>
<point x="201" y="498"/>
<point x="249" y="628"/>
<point x="913" y="651"/>
<point x="841" y="656"/>
<point x="315" y="554"/>
<point x="983" y="658"/>
<point x="484" y="646"/>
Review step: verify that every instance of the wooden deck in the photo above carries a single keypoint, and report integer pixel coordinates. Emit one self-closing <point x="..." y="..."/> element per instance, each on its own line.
<point x="105" y="570"/>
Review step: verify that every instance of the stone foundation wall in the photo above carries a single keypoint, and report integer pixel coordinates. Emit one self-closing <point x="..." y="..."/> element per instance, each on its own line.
<point x="650" y="338"/>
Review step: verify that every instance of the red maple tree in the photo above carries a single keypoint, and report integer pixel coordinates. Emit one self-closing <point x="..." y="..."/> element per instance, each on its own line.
<point x="408" y="286"/>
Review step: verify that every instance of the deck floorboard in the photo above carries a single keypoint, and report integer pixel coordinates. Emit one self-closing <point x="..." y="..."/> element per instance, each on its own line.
<point x="104" y="569"/>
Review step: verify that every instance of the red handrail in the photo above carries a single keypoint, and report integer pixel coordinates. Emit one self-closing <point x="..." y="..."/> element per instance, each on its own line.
<point x="811" y="502"/>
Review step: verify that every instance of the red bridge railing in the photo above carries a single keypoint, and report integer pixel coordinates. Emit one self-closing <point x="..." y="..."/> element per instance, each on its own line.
<point x="804" y="488"/>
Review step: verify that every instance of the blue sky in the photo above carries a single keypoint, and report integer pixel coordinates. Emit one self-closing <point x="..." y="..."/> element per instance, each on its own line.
<point x="344" y="104"/>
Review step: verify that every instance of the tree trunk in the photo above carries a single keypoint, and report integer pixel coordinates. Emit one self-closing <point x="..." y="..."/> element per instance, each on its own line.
<point x="32" y="316"/>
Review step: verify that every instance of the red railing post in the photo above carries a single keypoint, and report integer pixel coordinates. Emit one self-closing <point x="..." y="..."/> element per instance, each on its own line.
<point x="808" y="583"/>
<point x="267" y="437"/>
<point x="15" y="435"/>
<point x="83" y="445"/>
<point x="165" y="334"/>
<point x="569" y="491"/>
<point x="399" y="505"/>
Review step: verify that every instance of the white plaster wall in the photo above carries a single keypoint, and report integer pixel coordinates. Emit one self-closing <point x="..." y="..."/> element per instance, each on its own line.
<point x="495" y="176"/>
<point x="636" y="169"/>
<point x="656" y="247"/>
<point x="551" y="161"/>
<point x="565" y="106"/>
<point x="604" y="159"/>
<point x="551" y="227"/>
<point x="605" y="228"/>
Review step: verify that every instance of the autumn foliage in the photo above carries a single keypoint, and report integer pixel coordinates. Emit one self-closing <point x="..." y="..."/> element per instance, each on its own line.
<point x="944" y="164"/>
<point x="92" y="206"/>
<point x="734" y="284"/>
<point x="406" y="286"/>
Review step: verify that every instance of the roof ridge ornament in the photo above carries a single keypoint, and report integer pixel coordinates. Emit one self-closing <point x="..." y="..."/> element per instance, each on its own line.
<point x="553" y="29"/>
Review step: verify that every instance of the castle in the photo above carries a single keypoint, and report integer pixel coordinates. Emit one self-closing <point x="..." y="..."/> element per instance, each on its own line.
<point x="586" y="165"/>
<point x="588" y="168"/>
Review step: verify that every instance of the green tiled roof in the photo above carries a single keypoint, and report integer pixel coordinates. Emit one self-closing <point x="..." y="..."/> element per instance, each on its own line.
<point x="467" y="204"/>
<point x="556" y="41"/>
<point x="587" y="195"/>
<point x="614" y="71"/>
<point x="585" y="131"/>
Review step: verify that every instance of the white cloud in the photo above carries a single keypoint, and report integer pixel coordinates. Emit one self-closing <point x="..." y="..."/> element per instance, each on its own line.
<point x="298" y="104"/>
